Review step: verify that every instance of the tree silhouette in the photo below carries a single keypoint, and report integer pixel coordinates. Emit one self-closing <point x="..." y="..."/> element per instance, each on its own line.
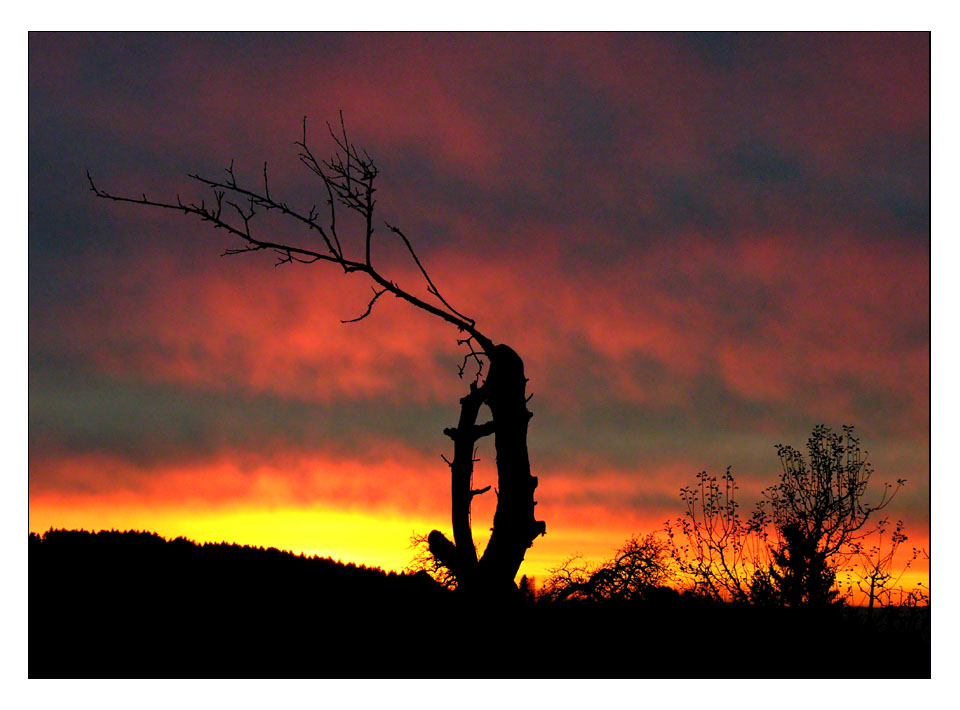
<point x="874" y="573"/>
<point x="800" y="573"/>
<point x="348" y="180"/>
<point x="724" y="555"/>
<point x="805" y="527"/>
<point x="820" y="513"/>
<point x="639" y="565"/>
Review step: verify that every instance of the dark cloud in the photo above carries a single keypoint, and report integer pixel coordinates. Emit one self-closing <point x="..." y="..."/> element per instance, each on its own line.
<point x="77" y="409"/>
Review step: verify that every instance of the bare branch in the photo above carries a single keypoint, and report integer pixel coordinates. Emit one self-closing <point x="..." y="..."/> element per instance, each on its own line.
<point x="294" y="253"/>
<point x="267" y="203"/>
<point x="479" y="492"/>
<point x="485" y="429"/>
<point x="376" y="295"/>
<point x="431" y="287"/>
<point x="474" y="354"/>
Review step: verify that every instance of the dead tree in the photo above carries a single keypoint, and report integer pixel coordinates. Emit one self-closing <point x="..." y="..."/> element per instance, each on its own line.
<point x="348" y="183"/>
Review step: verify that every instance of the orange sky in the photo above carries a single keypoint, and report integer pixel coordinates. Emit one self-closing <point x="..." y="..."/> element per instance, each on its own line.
<point x="363" y="512"/>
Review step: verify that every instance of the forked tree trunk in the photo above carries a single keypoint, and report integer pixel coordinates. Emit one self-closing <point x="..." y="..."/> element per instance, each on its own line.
<point x="514" y="524"/>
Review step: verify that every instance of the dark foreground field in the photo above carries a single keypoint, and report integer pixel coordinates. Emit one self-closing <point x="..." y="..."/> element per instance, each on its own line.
<point x="116" y="605"/>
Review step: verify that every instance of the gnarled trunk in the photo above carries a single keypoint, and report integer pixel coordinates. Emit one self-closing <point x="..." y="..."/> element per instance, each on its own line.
<point x="514" y="524"/>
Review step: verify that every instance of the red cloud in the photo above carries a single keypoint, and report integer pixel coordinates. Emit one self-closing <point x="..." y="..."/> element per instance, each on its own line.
<point x="775" y="319"/>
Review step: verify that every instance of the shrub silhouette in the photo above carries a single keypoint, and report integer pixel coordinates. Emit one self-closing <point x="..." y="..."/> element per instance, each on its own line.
<point x="637" y="568"/>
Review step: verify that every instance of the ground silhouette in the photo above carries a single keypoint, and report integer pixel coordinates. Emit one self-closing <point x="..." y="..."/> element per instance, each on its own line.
<point x="134" y="605"/>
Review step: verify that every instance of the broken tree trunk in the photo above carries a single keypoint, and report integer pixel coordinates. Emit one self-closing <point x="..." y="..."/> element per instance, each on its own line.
<point x="514" y="526"/>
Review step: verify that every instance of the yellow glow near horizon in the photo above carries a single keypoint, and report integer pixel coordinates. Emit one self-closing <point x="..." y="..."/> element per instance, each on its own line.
<point x="363" y="538"/>
<point x="368" y="538"/>
<point x="374" y="539"/>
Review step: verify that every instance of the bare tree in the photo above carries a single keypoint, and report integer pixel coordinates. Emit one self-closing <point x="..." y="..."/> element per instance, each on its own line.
<point x="874" y="572"/>
<point x="719" y="552"/>
<point x="638" y="566"/>
<point x="348" y="180"/>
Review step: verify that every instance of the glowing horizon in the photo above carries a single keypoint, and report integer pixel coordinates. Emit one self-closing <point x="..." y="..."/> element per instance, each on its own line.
<point x="373" y="540"/>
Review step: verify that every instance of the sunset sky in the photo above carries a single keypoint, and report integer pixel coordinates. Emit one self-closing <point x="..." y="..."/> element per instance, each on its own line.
<point x="701" y="245"/>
